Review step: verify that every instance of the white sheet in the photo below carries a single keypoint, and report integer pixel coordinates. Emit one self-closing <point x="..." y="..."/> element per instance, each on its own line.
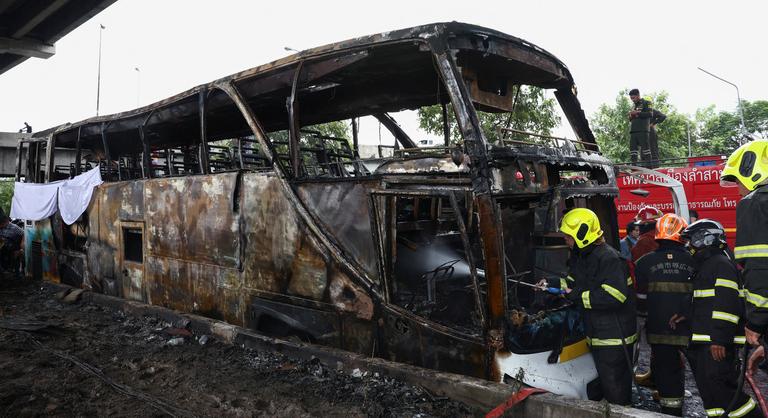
<point x="75" y="195"/>
<point x="34" y="201"/>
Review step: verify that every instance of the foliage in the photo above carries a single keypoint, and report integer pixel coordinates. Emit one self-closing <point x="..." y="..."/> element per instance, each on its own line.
<point x="721" y="133"/>
<point x="533" y="112"/>
<point x="711" y="133"/>
<point x="6" y="194"/>
<point x="611" y="127"/>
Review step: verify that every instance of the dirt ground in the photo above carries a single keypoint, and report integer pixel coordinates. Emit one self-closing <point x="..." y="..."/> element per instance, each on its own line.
<point x="85" y="360"/>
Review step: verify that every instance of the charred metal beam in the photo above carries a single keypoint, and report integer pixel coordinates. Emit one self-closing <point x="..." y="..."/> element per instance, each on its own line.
<point x="146" y="161"/>
<point x="477" y="147"/>
<point x="334" y="252"/>
<point x="295" y="124"/>
<point x="576" y="117"/>
<point x="202" y="149"/>
<point x="356" y="146"/>
<point x="446" y="126"/>
<point x="396" y="130"/>
<point x="78" y="151"/>
<point x="253" y="123"/>
<point x="50" y="144"/>
<point x="355" y="138"/>
<point x="470" y="258"/>
<point x="107" y="156"/>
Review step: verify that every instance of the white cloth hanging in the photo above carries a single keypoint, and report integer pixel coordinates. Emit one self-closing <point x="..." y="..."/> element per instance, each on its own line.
<point x="75" y="195"/>
<point x="34" y="201"/>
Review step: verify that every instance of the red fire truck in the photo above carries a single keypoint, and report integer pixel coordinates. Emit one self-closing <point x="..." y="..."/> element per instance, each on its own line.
<point x="700" y="177"/>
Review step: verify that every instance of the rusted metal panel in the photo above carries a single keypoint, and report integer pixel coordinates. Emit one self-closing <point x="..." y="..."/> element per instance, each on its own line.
<point x="271" y="233"/>
<point x="185" y="285"/>
<point x="308" y="275"/>
<point x="343" y="210"/>
<point x="193" y="218"/>
<point x="347" y="296"/>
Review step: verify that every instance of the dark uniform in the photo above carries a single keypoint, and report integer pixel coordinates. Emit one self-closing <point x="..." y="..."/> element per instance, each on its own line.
<point x="639" y="130"/>
<point x="718" y="318"/>
<point x="667" y="272"/>
<point x="645" y="244"/>
<point x="653" y="139"/>
<point x="602" y="287"/>
<point x="752" y="252"/>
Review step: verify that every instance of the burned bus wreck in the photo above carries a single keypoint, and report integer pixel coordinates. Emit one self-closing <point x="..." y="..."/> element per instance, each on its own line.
<point x="227" y="201"/>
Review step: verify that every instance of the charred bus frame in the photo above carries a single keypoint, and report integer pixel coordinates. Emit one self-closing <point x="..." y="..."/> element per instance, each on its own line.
<point x="224" y="201"/>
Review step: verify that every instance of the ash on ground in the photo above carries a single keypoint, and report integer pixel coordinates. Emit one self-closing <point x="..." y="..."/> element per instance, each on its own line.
<point x="77" y="359"/>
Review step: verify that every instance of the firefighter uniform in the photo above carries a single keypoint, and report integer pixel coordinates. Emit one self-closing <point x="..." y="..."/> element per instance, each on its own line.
<point x="646" y="243"/>
<point x="718" y="319"/>
<point x="668" y="271"/>
<point x="639" y="131"/>
<point x="748" y="166"/>
<point x="603" y="289"/>
<point x="752" y="252"/>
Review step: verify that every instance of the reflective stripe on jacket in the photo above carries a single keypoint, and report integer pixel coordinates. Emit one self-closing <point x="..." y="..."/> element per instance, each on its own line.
<point x="668" y="271"/>
<point x="718" y="303"/>
<point x="603" y="288"/>
<point x="751" y="251"/>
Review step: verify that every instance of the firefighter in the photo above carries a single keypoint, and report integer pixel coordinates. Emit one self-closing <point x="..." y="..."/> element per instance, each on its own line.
<point x="717" y="322"/>
<point x="646" y="217"/>
<point x="601" y="288"/>
<point x="668" y="271"/>
<point x="747" y="168"/>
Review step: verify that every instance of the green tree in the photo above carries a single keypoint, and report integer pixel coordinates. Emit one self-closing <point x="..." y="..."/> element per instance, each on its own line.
<point x="533" y="112"/>
<point x="721" y="132"/>
<point x="6" y="194"/>
<point x="611" y="127"/>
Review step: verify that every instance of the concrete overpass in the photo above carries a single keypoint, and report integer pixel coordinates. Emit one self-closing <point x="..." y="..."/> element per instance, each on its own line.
<point x="31" y="28"/>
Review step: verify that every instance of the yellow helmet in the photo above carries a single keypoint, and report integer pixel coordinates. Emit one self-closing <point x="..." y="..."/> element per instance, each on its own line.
<point x="582" y="225"/>
<point x="747" y="165"/>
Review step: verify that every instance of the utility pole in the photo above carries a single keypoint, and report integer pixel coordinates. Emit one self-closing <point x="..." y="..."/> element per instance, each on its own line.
<point x="98" y="75"/>
<point x="738" y="97"/>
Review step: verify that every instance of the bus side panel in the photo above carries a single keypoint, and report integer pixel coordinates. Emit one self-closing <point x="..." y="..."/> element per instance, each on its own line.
<point x="193" y="246"/>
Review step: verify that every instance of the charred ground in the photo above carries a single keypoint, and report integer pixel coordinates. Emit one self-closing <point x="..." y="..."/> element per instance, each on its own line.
<point x="87" y="360"/>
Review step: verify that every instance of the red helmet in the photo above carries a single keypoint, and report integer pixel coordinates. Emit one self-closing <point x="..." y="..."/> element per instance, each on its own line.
<point x="648" y="214"/>
<point x="669" y="227"/>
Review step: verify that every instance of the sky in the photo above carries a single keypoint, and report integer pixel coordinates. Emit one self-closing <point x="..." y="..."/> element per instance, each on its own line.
<point x="178" y="44"/>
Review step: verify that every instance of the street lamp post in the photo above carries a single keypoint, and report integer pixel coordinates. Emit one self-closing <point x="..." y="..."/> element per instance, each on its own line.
<point x="138" y="85"/>
<point x="738" y="97"/>
<point x="98" y="75"/>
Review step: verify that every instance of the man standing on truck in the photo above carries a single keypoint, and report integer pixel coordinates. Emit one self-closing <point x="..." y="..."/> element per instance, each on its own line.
<point x="747" y="168"/>
<point x="717" y="322"/>
<point x="639" y="128"/>
<point x="668" y="271"/>
<point x="601" y="288"/>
